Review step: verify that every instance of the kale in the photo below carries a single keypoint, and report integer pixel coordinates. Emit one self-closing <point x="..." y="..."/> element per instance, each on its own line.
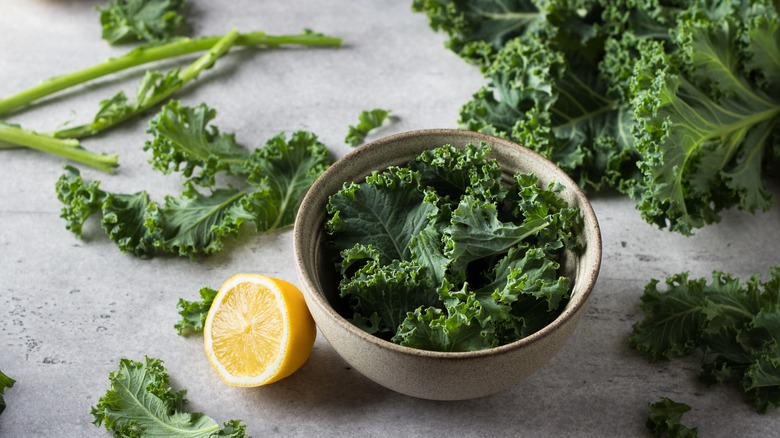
<point x="440" y="255"/>
<point x="195" y="223"/>
<point x="673" y="104"/>
<point x="140" y="402"/>
<point x="735" y="326"/>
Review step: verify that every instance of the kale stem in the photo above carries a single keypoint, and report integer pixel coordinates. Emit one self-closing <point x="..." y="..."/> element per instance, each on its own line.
<point x="185" y="76"/>
<point x="14" y="136"/>
<point x="207" y="60"/>
<point x="152" y="53"/>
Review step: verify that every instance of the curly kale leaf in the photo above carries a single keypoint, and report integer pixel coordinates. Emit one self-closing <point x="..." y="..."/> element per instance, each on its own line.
<point x="386" y="293"/>
<point x="556" y="104"/>
<point x="427" y="250"/>
<point x="459" y="327"/>
<point x="384" y="212"/>
<point x="191" y="225"/>
<point x="140" y="402"/>
<point x="704" y="126"/>
<point x="478" y="29"/>
<point x="524" y="279"/>
<point x="195" y="224"/>
<point x="674" y="319"/>
<point x="664" y="419"/>
<point x="475" y="232"/>
<point x="126" y="21"/>
<point x="5" y="382"/>
<point x="734" y="324"/>
<point x="672" y="104"/>
<point x="125" y="218"/>
<point x="81" y="200"/>
<point x="453" y="172"/>
<point x="184" y="141"/>
<point x="367" y="122"/>
<point x="287" y="167"/>
<point x="193" y="313"/>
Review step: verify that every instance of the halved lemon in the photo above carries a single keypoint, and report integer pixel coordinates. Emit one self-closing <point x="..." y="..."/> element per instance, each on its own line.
<point x="258" y="330"/>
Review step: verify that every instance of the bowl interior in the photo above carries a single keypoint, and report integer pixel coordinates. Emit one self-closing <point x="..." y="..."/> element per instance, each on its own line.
<point x="318" y="275"/>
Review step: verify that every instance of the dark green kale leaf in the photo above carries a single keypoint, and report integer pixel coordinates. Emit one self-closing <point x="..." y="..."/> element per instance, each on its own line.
<point x="475" y="232"/>
<point x="461" y="326"/>
<point x="427" y="250"/>
<point x="478" y="29"/>
<point x="367" y="122"/>
<point x="440" y="255"/>
<point x="674" y="319"/>
<point x="5" y="382"/>
<point x="525" y="276"/>
<point x="81" y="200"/>
<point x="704" y="125"/>
<point x="191" y="225"/>
<point x="735" y="326"/>
<point x="384" y="212"/>
<point x="531" y="202"/>
<point x="125" y="21"/>
<point x="193" y="313"/>
<point x="453" y="172"/>
<point x="673" y="104"/>
<point x="557" y="104"/>
<point x="126" y="218"/>
<point x="140" y="402"/>
<point x="386" y="293"/>
<point x="664" y="420"/>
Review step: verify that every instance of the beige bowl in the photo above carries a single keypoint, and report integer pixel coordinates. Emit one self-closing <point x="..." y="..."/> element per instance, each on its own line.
<point x="431" y="374"/>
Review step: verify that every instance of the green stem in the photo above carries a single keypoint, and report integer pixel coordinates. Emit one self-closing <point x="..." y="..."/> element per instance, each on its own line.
<point x="207" y="60"/>
<point x="147" y="54"/>
<point x="155" y="96"/>
<point x="12" y="136"/>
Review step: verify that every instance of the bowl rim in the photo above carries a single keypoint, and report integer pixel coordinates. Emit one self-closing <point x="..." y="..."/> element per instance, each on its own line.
<point x="571" y="309"/>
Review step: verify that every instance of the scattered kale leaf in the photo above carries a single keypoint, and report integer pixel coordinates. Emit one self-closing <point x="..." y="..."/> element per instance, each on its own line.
<point x="125" y="21"/>
<point x="195" y="223"/>
<point x="367" y="122"/>
<point x="440" y="255"/>
<point x="735" y="325"/>
<point x="193" y="313"/>
<point x="140" y="402"/>
<point x="664" y="420"/>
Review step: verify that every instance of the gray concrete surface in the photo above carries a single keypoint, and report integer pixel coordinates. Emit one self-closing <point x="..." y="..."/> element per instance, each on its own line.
<point x="70" y="308"/>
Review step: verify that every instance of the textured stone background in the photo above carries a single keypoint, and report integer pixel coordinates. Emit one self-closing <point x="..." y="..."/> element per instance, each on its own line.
<point x="70" y="309"/>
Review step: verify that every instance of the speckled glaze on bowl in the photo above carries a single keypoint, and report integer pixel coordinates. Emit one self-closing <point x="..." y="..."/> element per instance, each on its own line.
<point x="429" y="374"/>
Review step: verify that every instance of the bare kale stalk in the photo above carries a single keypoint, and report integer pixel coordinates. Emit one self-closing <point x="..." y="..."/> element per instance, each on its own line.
<point x="151" y="53"/>
<point x="12" y="136"/>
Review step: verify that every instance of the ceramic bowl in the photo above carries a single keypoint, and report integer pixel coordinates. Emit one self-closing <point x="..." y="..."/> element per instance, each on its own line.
<point x="430" y="374"/>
